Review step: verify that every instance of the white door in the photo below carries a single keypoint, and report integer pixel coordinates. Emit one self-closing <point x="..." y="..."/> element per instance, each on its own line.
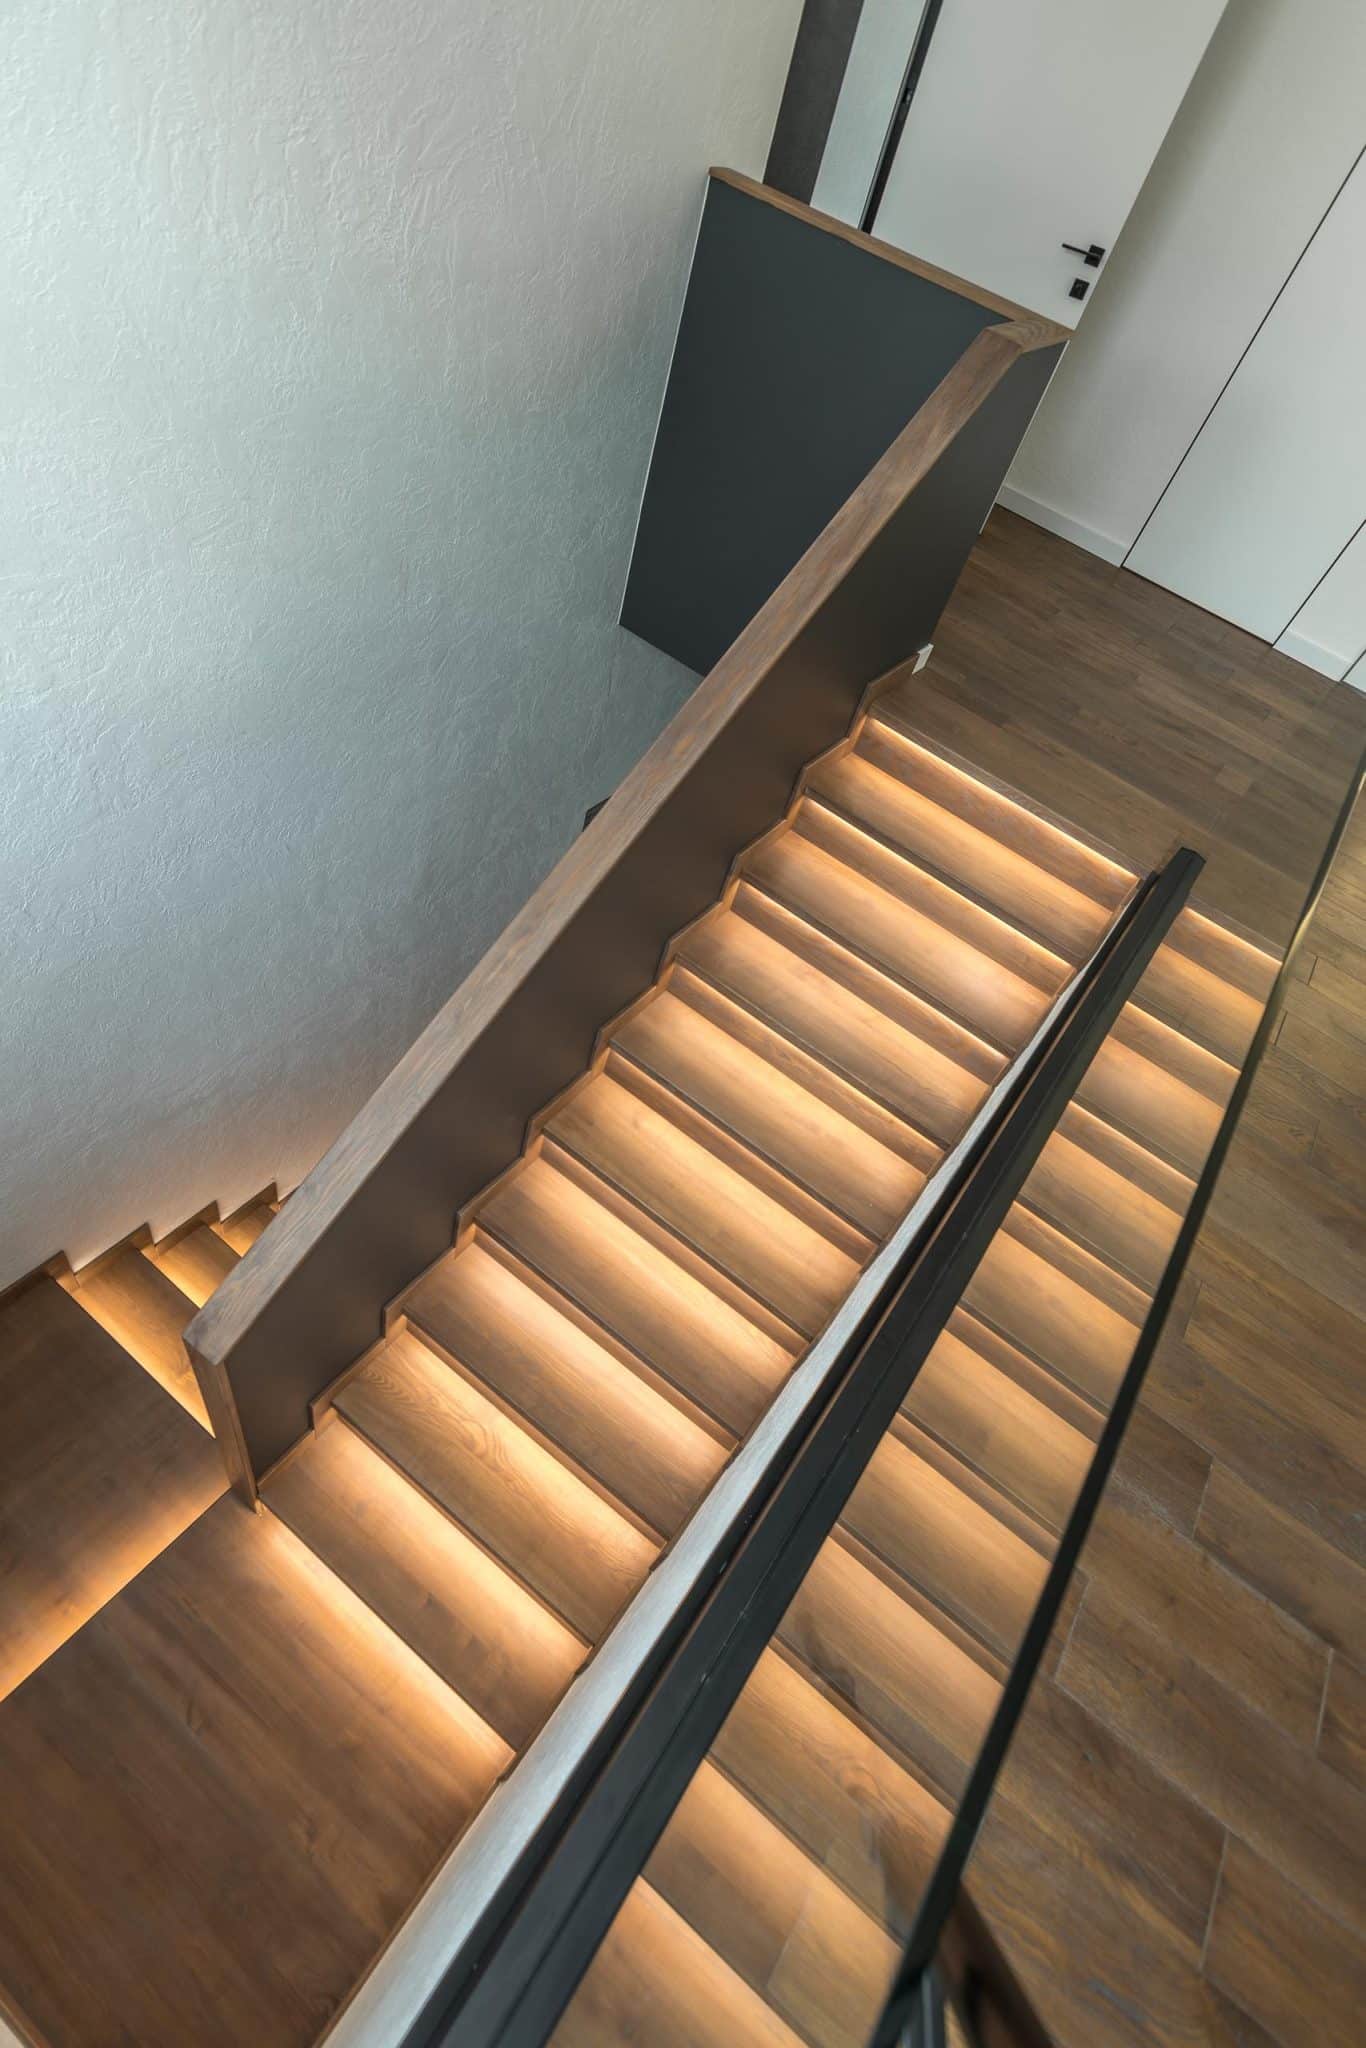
<point x="1033" y="124"/>
<point x="1273" y="487"/>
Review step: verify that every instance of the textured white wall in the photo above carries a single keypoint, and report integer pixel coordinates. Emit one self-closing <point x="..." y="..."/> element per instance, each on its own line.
<point x="333" y="337"/>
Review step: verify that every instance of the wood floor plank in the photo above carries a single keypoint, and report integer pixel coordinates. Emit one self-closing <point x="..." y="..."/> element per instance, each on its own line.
<point x="99" y="1471"/>
<point x="1265" y="1788"/>
<point x="1289" y="1562"/>
<point x="1281" y="1956"/>
<point x="1238" y="1635"/>
<point x="183" y="1777"/>
<point x="1342" y="1739"/>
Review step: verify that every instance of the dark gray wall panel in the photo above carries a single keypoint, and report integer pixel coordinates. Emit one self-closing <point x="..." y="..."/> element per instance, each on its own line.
<point x="800" y="358"/>
<point x="825" y="36"/>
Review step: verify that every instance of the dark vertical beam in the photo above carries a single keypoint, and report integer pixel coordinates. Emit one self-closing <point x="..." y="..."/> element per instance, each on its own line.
<point x="825" y="36"/>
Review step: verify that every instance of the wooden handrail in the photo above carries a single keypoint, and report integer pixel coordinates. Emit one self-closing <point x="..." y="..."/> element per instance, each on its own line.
<point x="381" y="1204"/>
<point x="901" y="259"/>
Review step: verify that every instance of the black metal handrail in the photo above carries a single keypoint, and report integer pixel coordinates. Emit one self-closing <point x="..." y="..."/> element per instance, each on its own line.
<point x="900" y="2013"/>
<point x="530" y="1944"/>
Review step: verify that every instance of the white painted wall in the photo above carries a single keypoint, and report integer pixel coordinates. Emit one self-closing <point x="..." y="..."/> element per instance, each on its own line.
<point x="334" y="335"/>
<point x="1274" y="485"/>
<point x="1328" y="632"/>
<point x="1265" y="135"/>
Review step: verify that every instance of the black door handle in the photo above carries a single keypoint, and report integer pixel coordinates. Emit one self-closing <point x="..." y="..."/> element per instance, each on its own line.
<point x="1090" y="257"/>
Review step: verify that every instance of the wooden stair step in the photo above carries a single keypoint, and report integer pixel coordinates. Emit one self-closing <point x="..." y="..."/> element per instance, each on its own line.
<point x="99" y="1471"/>
<point x="1225" y="954"/>
<point x="467" y="1618"/>
<point x="570" y="1388"/>
<point x="1000" y="1429"/>
<point x="1096" y="1199"/>
<point x="949" y="1546"/>
<point x="905" y="1677"/>
<point x="854" y="1105"/>
<point x="147" y="1313"/>
<point x="900" y="938"/>
<point x="773" y="1913"/>
<point x="767" y="1108"/>
<point x="1131" y="1083"/>
<point x="654" y="1980"/>
<point x="890" y="741"/>
<point x="196" y="1263"/>
<point x="834" y="1789"/>
<point x="770" y="1251"/>
<point x="879" y="1052"/>
<point x="560" y="1538"/>
<point x="1030" y="896"/>
<point x="850" y="969"/>
<point x="1217" y="1015"/>
<point x="987" y="930"/>
<point x="1061" y="1322"/>
<point x="242" y="1230"/>
<point x="696" y="1340"/>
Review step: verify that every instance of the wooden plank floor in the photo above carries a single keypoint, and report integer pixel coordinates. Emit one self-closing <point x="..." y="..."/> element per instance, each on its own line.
<point x="1178" y="1850"/>
<point x="99" y="1470"/>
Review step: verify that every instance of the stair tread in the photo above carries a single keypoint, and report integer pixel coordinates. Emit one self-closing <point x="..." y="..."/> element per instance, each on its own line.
<point x="1226" y="954"/>
<point x="573" y="1389"/>
<point x="878" y="1052"/>
<point x="506" y="1655"/>
<point x="900" y="938"/>
<point x="772" y="1111"/>
<point x="773" y="1913"/>
<point x="1184" y="994"/>
<point x="1041" y="902"/>
<point x="905" y="1677"/>
<point x="561" y="1539"/>
<point x="940" y="1540"/>
<point x="776" y="1049"/>
<point x="837" y="1791"/>
<point x="653" y="1979"/>
<point x="1100" y="1206"/>
<point x="242" y="1231"/>
<point x="1052" y="1316"/>
<point x="769" y="1250"/>
<point x="196" y="1263"/>
<point x="1000" y="1429"/>
<point x="890" y="739"/>
<point x="145" y="1311"/>
<point x="84" y="1508"/>
<point x="699" y="1342"/>
<point x="1129" y="1088"/>
<point x="981" y="927"/>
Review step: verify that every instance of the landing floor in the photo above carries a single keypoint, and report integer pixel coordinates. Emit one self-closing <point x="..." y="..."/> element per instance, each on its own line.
<point x="1178" y="1854"/>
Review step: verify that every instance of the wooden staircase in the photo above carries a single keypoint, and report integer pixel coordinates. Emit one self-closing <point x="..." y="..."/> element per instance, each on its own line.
<point x="300" y="1712"/>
